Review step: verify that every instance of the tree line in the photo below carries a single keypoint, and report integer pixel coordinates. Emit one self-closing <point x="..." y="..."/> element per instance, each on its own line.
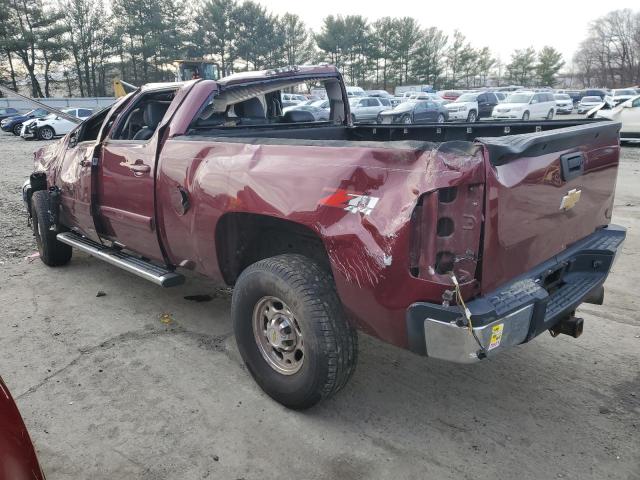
<point x="610" y="55"/>
<point x="84" y="44"/>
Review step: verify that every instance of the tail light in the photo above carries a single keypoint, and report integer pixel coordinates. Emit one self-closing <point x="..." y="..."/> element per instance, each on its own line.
<point x="446" y="231"/>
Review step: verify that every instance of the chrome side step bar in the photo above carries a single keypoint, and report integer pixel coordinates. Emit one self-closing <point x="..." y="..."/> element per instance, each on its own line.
<point x="147" y="270"/>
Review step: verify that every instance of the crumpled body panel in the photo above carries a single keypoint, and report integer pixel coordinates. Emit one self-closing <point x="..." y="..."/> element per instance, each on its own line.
<point x="359" y="201"/>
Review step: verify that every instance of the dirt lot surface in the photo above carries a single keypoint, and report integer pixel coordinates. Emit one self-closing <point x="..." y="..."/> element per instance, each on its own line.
<point x="143" y="383"/>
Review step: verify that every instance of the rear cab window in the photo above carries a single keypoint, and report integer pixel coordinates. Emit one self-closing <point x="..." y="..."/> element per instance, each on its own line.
<point x="263" y="105"/>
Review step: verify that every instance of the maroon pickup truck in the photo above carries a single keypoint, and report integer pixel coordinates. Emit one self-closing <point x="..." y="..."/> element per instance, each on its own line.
<point x="455" y="241"/>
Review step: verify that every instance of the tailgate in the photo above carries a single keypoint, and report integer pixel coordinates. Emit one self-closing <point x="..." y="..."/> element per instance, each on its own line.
<point x="545" y="191"/>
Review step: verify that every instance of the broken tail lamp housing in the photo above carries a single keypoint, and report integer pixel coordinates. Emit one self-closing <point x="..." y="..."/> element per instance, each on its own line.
<point x="445" y="238"/>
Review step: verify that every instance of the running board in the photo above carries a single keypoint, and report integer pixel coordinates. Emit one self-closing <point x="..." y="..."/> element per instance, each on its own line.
<point x="147" y="270"/>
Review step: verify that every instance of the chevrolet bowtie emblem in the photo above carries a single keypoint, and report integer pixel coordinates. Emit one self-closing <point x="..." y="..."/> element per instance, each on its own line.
<point x="570" y="199"/>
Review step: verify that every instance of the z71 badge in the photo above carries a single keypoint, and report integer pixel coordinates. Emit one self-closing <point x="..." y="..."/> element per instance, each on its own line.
<point x="351" y="202"/>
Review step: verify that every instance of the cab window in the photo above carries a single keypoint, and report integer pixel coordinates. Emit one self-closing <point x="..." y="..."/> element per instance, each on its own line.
<point x="140" y="122"/>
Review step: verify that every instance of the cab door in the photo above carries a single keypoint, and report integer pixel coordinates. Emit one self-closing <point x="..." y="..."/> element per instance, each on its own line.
<point x="126" y="175"/>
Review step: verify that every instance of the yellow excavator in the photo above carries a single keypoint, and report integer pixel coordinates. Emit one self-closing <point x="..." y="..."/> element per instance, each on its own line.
<point x="185" y="70"/>
<point x="121" y="88"/>
<point x="196" y="68"/>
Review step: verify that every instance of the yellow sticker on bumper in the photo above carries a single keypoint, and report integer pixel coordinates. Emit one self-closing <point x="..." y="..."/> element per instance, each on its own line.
<point x="496" y="336"/>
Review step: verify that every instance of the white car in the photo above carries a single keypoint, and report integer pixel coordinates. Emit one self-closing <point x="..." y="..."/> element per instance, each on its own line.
<point x="621" y="95"/>
<point x="525" y="106"/>
<point x="471" y="106"/>
<point x="355" y="92"/>
<point x="628" y="113"/>
<point x="52" y="125"/>
<point x="587" y="103"/>
<point x="564" y="103"/>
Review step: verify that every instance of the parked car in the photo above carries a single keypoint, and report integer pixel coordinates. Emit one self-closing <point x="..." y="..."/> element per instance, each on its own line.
<point x="18" y="460"/>
<point x="564" y="103"/>
<point x="355" y="91"/>
<point x="52" y="125"/>
<point x="366" y="109"/>
<point x="501" y="96"/>
<point x="379" y="93"/>
<point x="621" y="95"/>
<point x="415" y="111"/>
<point x="14" y="124"/>
<point x="587" y="103"/>
<point x="319" y="114"/>
<point x="575" y="95"/>
<point x="8" y="112"/>
<point x="450" y="95"/>
<point x="526" y="105"/>
<point x="594" y="92"/>
<point x="451" y="245"/>
<point x="289" y="99"/>
<point x="628" y="113"/>
<point x="470" y="107"/>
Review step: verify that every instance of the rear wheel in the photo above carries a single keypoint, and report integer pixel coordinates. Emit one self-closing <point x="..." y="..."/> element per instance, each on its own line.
<point x="525" y="116"/>
<point x="45" y="133"/>
<point x="291" y="330"/>
<point x="440" y="118"/>
<point x="472" y="117"/>
<point x="52" y="252"/>
<point x="550" y="115"/>
<point x="407" y="119"/>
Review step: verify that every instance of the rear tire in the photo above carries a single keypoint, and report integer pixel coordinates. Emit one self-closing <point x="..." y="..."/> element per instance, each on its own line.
<point x="525" y="116"/>
<point x="52" y="252"/>
<point x="407" y="120"/>
<point x="440" y="118"/>
<point x="316" y="355"/>
<point x="472" y="117"/>
<point x="550" y="115"/>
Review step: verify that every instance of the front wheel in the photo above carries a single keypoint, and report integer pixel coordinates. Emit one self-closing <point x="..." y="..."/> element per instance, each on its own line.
<point x="52" y="252"/>
<point x="440" y="118"/>
<point x="16" y="129"/>
<point x="45" y="133"/>
<point x="525" y="116"/>
<point x="550" y="115"/>
<point x="291" y="330"/>
<point x="407" y="119"/>
<point x="472" y="117"/>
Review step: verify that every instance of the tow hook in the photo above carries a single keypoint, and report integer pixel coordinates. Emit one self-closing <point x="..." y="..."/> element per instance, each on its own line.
<point x="569" y="325"/>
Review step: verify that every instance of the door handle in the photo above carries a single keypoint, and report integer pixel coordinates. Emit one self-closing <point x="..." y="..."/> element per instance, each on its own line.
<point x="136" y="167"/>
<point x="139" y="168"/>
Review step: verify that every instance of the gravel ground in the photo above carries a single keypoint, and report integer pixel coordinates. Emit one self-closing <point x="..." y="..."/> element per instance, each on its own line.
<point x="143" y="383"/>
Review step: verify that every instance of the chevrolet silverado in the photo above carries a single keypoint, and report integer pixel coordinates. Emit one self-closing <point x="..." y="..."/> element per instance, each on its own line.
<point x="455" y="241"/>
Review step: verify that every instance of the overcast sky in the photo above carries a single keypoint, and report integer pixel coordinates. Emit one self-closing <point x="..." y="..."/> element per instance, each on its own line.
<point x="500" y="25"/>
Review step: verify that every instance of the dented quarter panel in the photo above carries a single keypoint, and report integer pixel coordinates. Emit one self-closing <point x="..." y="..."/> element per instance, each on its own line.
<point x="369" y="253"/>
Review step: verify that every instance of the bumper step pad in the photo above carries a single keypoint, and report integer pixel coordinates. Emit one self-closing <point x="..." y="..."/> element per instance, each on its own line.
<point x="142" y="268"/>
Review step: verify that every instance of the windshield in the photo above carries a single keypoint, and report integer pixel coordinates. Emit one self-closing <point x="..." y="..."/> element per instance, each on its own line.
<point x="562" y="96"/>
<point x="592" y="99"/>
<point x="467" y="97"/>
<point x="624" y="92"/>
<point x="519" y="98"/>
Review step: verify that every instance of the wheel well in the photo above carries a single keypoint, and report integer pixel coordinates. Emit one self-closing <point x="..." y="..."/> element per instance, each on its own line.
<point x="245" y="238"/>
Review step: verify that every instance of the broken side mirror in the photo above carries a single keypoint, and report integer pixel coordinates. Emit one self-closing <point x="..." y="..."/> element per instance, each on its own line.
<point x="73" y="139"/>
